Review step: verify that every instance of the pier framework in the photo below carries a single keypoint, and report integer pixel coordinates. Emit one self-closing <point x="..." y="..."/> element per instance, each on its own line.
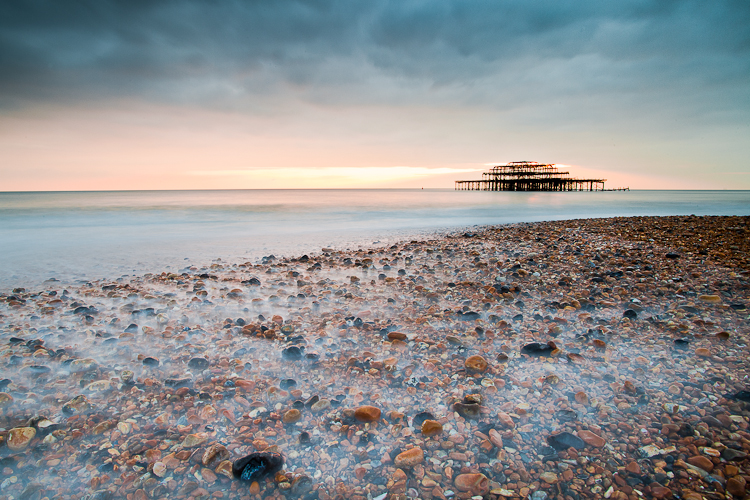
<point x="530" y="176"/>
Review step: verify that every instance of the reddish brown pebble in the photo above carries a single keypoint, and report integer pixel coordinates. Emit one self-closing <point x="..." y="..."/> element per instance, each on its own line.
<point x="409" y="458"/>
<point x="702" y="352"/>
<point x="195" y="439"/>
<point x="661" y="492"/>
<point x="431" y="428"/>
<point x="214" y="455"/>
<point x="254" y="488"/>
<point x="367" y="413"/>
<point x="496" y="438"/>
<point x="208" y="475"/>
<point x="592" y="439"/>
<point x="225" y="469"/>
<point x="292" y="416"/>
<point x="476" y="484"/>
<point x="19" y="438"/>
<point x="582" y="398"/>
<point x="633" y="468"/>
<point x="703" y="462"/>
<point x="476" y="364"/>
<point x="736" y="486"/>
<point x="506" y="420"/>
<point x="5" y="399"/>
<point x="548" y="477"/>
<point x="396" y="336"/>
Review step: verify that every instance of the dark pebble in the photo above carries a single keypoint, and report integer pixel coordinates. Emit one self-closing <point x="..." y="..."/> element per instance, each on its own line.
<point x="740" y="396"/>
<point x="681" y="343"/>
<point x="292" y="353"/>
<point x="257" y="466"/>
<point x="149" y="361"/>
<point x="198" y="363"/>
<point x="287" y="383"/>
<point x="467" y="410"/>
<point x="565" y="440"/>
<point x="419" y="418"/>
<point x="537" y="349"/>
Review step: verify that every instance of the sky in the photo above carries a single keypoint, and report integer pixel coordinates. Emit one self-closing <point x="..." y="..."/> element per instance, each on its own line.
<point x="190" y="94"/>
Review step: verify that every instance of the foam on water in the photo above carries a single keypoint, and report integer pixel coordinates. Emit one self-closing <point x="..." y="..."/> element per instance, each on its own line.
<point x="91" y="235"/>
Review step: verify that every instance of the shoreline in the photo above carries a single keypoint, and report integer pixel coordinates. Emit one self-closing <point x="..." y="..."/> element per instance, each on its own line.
<point x="642" y="325"/>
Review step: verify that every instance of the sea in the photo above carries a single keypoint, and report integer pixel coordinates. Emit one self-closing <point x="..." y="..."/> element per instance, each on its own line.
<point x="74" y="237"/>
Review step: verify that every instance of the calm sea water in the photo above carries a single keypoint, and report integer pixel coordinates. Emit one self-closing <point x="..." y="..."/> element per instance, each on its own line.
<point x="75" y="236"/>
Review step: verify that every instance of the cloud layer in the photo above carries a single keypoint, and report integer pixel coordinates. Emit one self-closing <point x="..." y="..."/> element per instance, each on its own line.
<point x="662" y="71"/>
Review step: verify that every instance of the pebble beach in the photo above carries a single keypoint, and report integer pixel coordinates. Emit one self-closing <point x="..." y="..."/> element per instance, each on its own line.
<point x="574" y="359"/>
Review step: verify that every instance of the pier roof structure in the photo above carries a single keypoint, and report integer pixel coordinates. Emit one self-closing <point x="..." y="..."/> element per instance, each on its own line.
<point x="529" y="176"/>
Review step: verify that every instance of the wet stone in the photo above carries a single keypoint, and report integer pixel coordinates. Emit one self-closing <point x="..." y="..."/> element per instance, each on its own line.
<point x="475" y="483"/>
<point x="287" y="384"/>
<point x="630" y="314"/>
<point x="291" y="353"/>
<point x="420" y="418"/>
<point x="470" y="411"/>
<point x="431" y="428"/>
<point x="539" y="349"/>
<point x="20" y="437"/>
<point x="150" y="361"/>
<point x="476" y="364"/>
<point x="409" y="458"/>
<point x="591" y="439"/>
<point x="367" y="414"/>
<point x="564" y="440"/>
<point x="214" y="454"/>
<point x="79" y="404"/>
<point x="198" y="363"/>
<point x="292" y="416"/>
<point x="257" y="466"/>
<point x="5" y="399"/>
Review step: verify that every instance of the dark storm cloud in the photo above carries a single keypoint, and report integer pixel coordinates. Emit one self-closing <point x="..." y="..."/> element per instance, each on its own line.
<point x="464" y="52"/>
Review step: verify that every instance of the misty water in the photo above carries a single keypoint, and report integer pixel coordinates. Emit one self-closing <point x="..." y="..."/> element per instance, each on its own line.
<point x="73" y="236"/>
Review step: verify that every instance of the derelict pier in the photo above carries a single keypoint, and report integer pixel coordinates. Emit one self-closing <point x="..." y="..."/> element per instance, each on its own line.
<point x="530" y="176"/>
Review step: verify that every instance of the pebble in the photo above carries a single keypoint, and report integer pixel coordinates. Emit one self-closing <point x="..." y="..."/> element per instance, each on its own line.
<point x="367" y="413"/>
<point x="476" y="364"/>
<point x="292" y="416"/>
<point x="198" y="363"/>
<point x="564" y="440"/>
<point x="476" y="483"/>
<point x="702" y="462"/>
<point x="506" y="420"/>
<point x="548" y="477"/>
<point x="215" y="454"/>
<point x="257" y="466"/>
<point x="20" y="437"/>
<point x="159" y="469"/>
<point x="737" y="486"/>
<point x="431" y="428"/>
<point x="496" y="438"/>
<point x="193" y="440"/>
<point x="591" y="439"/>
<point x="409" y="458"/>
